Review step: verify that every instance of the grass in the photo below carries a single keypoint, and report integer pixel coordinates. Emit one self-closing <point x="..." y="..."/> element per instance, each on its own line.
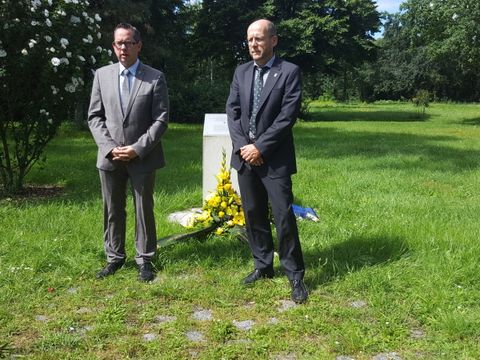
<point x="392" y="266"/>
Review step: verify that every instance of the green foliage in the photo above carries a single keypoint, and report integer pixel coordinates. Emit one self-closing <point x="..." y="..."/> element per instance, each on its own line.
<point x="47" y="50"/>
<point x="190" y="101"/>
<point x="422" y="99"/>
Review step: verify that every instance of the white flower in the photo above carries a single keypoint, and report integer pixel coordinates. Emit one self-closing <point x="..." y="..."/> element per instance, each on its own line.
<point x="43" y="111"/>
<point x="36" y="3"/>
<point x="48" y="22"/>
<point x="32" y="43"/>
<point x="34" y="23"/>
<point x="3" y="53"/>
<point x="46" y="13"/>
<point x="85" y="15"/>
<point x="55" y="61"/>
<point x="50" y="2"/>
<point x="99" y="35"/>
<point x="92" y="58"/>
<point x="70" y="88"/>
<point x="65" y="61"/>
<point x="48" y="38"/>
<point x="64" y="42"/>
<point x="109" y="52"/>
<point x="99" y="49"/>
<point x="24" y="52"/>
<point x="74" y="81"/>
<point x="50" y="121"/>
<point x="54" y="90"/>
<point x="91" y="20"/>
<point x="75" y="19"/>
<point x="97" y="17"/>
<point x="81" y="58"/>
<point x="68" y="53"/>
<point x="61" y="12"/>
<point x="455" y="17"/>
<point x="90" y="38"/>
<point x="52" y="49"/>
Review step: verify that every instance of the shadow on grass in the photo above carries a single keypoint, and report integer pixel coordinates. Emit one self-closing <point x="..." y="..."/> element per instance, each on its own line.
<point x="358" y="252"/>
<point x="352" y="115"/>
<point x="214" y="251"/>
<point x="427" y="151"/>
<point x="474" y="121"/>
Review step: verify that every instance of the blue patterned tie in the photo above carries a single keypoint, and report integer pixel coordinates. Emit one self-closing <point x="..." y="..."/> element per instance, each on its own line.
<point x="257" y="91"/>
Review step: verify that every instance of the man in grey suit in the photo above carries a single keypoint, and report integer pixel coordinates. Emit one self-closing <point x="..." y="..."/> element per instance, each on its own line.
<point x="262" y="107"/>
<point x="128" y="115"/>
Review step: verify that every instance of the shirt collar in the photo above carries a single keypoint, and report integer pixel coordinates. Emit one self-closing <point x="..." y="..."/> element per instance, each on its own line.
<point x="268" y="64"/>
<point x="132" y="69"/>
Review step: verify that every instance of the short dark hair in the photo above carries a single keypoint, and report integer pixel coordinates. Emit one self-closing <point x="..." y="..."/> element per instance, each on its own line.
<point x="136" y="34"/>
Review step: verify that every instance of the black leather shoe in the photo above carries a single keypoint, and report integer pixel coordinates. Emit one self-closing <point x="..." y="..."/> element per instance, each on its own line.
<point x="110" y="269"/>
<point x="257" y="275"/>
<point x="299" y="291"/>
<point x="146" y="272"/>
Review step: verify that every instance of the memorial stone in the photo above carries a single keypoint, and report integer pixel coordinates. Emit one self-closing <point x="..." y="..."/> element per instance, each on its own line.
<point x="215" y="139"/>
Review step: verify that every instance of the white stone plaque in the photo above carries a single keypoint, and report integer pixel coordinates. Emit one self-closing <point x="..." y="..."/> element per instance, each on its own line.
<point x="215" y="138"/>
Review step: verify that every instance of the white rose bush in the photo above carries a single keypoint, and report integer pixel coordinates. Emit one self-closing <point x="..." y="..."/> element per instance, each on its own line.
<point x="48" y="50"/>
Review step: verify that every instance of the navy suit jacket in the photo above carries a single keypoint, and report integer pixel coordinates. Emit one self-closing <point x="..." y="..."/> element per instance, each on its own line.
<point x="279" y="107"/>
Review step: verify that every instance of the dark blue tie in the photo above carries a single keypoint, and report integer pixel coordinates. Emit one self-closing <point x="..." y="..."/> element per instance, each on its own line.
<point x="257" y="91"/>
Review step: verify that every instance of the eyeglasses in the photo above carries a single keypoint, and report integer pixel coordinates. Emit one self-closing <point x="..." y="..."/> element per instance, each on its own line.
<point x="127" y="44"/>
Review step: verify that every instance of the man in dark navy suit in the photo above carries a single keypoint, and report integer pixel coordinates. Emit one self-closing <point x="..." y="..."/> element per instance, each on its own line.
<point x="264" y="102"/>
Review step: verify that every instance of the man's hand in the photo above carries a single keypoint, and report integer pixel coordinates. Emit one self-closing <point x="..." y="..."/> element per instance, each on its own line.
<point x="124" y="153"/>
<point x="251" y="155"/>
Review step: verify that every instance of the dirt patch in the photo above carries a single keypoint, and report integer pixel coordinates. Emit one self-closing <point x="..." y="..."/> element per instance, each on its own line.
<point x="35" y="192"/>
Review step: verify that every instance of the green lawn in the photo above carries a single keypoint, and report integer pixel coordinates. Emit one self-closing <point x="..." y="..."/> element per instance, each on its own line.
<point x="392" y="266"/>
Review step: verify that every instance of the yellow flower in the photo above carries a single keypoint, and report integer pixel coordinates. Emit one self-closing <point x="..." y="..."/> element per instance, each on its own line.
<point x="221" y="214"/>
<point x="219" y="231"/>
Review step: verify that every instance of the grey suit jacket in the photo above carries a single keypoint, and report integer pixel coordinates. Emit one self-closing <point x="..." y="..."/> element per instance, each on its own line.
<point x="143" y="123"/>
<point x="279" y="107"/>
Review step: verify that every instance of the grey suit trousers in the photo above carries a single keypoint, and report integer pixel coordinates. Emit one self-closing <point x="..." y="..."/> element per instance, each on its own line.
<point x="114" y="193"/>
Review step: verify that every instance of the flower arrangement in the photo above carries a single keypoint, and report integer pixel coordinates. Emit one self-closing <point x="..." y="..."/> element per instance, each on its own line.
<point x="223" y="206"/>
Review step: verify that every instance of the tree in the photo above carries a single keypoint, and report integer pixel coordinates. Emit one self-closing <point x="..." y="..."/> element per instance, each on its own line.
<point x="47" y="51"/>
<point x="448" y="32"/>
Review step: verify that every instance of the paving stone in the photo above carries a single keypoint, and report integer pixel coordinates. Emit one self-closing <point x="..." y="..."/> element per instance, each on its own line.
<point x="285" y="305"/>
<point x="194" y="335"/>
<point x="149" y="337"/>
<point x="387" y="356"/>
<point x="42" y="318"/>
<point x="344" y="357"/>
<point x="165" y="318"/>
<point x="202" y="315"/>
<point x="417" y="334"/>
<point x="84" y="310"/>
<point x="244" y="325"/>
<point x="273" y="321"/>
<point x="358" y="304"/>
<point x="288" y="356"/>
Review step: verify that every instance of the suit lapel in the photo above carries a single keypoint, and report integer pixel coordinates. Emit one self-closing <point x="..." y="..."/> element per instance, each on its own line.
<point x="116" y="88"/>
<point x="136" y="86"/>
<point x="273" y="76"/>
